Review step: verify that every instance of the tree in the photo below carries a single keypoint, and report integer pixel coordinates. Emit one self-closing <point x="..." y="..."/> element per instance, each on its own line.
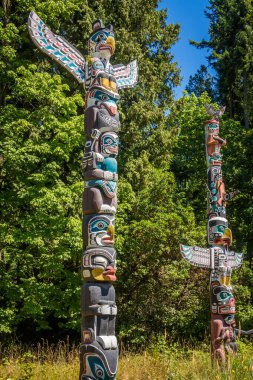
<point x="231" y="26"/>
<point x="201" y="82"/>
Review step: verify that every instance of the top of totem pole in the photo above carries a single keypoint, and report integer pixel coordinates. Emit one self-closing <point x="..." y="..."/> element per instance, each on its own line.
<point x="214" y="113"/>
<point x="101" y="42"/>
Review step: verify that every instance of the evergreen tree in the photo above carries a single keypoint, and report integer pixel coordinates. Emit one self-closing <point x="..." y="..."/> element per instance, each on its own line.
<point x="231" y="41"/>
<point x="202" y="81"/>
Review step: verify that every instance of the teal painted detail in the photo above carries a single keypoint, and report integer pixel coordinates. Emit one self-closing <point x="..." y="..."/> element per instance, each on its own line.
<point x="98" y="369"/>
<point x="109" y="164"/>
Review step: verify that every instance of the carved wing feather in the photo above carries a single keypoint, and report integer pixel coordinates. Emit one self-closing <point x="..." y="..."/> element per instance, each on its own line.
<point x="126" y="76"/>
<point x="56" y="47"/>
<point x="234" y="259"/>
<point x="196" y="256"/>
<point x="213" y="112"/>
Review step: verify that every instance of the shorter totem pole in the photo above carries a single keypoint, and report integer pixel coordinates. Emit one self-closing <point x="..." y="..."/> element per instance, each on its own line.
<point x="218" y="258"/>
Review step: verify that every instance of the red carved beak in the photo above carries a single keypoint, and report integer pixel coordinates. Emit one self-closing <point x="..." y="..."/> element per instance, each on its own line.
<point x="109" y="273"/>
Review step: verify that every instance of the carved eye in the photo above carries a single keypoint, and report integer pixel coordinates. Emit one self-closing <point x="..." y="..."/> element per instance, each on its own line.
<point x="100" y="225"/>
<point x="99" y="372"/>
<point x="224" y="295"/>
<point x="108" y="141"/>
<point x="100" y="37"/>
<point x="221" y="229"/>
<point x="104" y="97"/>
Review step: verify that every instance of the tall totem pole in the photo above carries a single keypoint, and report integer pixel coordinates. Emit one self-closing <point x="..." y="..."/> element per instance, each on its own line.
<point x="99" y="350"/>
<point x="218" y="258"/>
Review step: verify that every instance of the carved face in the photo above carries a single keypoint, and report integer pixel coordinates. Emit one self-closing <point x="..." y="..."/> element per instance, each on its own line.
<point x="212" y="127"/>
<point x="215" y="158"/>
<point x="223" y="300"/>
<point x="109" y="144"/>
<point x="101" y="43"/>
<point x="99" y="231"/>
<point x="99" y="264"/>
<point x="218" y="232"/>
<point x="103" y="99"/>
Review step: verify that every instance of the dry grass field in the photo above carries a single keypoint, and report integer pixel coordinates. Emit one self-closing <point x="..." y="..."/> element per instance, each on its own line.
<point x="61" y="363"/>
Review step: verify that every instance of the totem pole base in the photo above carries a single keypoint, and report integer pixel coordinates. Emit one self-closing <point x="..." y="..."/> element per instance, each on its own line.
<point x="222" y="339"/>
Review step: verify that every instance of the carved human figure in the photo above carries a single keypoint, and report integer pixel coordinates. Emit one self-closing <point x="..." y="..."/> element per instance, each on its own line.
<point x="213" y="143"/>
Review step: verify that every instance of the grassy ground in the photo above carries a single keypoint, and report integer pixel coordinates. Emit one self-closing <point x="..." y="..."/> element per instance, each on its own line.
<point x="60" y="363"/>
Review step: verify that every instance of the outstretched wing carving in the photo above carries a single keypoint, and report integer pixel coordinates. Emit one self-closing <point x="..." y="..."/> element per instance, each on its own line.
<point x="199" y="257"/>
<point x="211" y="258"/>
<point x="56" y="47"/>
<point x="126" y="76"/>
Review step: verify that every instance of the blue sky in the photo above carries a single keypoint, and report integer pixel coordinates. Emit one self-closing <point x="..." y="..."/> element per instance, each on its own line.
<point x="194" y="26"/>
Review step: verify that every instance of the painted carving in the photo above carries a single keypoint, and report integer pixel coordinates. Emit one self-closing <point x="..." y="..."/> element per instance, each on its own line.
<point x="218" y="258"/>
<point x="99" y="351"/>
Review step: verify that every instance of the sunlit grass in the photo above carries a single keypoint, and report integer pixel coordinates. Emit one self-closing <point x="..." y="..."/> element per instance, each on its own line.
<point x="61" y="363"/>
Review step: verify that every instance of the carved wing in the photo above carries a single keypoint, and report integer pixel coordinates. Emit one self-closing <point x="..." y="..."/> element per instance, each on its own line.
<point x="213" y="112"/>
<point x="56" y="47"/>
<point x="199" y="257"/>
<point x="126" y="76"/>
<point x="234" y="260"/>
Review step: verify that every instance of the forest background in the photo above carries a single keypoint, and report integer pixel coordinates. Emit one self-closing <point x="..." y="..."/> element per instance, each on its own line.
<point x="162" y="170"/>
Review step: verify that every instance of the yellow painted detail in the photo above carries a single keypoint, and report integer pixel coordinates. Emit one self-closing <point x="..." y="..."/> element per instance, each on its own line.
<point x="110" y="230"/>
<point x="111" y="41"/>
<point x="113" y="85"/>
<point x="97" y="273"/>
<point x="105" y="82"/>
<point x="228" y="234"/>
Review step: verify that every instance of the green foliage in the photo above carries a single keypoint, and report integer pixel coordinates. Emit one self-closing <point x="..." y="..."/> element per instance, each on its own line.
<point x="41" y="188"/>
<point x="189" y="161"/>
<point x="155" y="286"/>
<point x="202" y="81"/>
<point x="230" y="44"/>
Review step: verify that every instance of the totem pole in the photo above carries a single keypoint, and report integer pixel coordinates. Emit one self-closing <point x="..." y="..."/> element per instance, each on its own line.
<point x="98" y="350"/>
<point x="218" y="258"/>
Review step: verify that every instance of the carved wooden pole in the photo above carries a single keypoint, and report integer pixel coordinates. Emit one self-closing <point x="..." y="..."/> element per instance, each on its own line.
<point x="99" y="350"/>
<point x="218" y="258"/>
